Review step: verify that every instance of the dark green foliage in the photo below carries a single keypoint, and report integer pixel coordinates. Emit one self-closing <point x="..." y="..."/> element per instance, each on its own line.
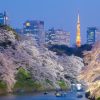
<point x="25" y="82"/>
<point x="22" y="74"/>
<point x="98" y="98"/>
<point x="63" y="49"/>
<point x="62" y="84"/>
<point x="3" y="87"/>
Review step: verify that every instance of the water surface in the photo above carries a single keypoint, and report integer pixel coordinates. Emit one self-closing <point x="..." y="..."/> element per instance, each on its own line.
<point x="41" y="96"/>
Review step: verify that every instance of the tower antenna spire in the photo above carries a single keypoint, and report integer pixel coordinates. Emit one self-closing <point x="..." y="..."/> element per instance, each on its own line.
<point x="78" y="34"/>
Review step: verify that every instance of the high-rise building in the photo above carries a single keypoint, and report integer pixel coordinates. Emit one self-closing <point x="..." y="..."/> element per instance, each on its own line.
<point x="58" y="37"/>
<point x="35" y="29"/>
<point x="50" y="36"/>
<point x="78" y="34"/>
<point x="98" y="35"/>
<point x="3" y="19"/>
<point x="91" y="35"/>
<point x="62" y="37"/>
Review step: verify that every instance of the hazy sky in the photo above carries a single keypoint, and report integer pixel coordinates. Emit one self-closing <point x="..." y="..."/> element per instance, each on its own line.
<point x="55" y="13"/>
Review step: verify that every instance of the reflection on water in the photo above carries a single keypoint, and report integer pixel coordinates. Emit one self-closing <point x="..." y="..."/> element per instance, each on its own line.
<point x="40" y="96"/>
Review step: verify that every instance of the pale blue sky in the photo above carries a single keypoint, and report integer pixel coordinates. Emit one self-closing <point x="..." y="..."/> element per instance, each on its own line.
<point x="55" y="13"/>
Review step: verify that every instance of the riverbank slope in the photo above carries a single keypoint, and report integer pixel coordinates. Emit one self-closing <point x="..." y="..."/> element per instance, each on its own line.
<point x="26" y="67"/>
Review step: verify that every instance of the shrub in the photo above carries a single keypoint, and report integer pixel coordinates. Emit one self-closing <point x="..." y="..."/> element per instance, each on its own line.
<point x="98" y="98"/>
<point x="25" y="82"/>
<point x="3" y="87"/>
<point x="62" y="84"/>
<point x="63" y="49"/>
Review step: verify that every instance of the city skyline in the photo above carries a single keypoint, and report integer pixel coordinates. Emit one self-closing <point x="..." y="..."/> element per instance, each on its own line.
<point x="54" y="13"/>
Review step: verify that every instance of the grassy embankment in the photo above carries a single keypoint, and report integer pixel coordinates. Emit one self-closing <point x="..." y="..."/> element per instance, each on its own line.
<point x="25" y="83"/>
<point x="3" y="87"/>
<point x="62" y="84"/>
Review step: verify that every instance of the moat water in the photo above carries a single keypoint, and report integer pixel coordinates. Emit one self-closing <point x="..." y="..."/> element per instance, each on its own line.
<point x="41" y="96"/>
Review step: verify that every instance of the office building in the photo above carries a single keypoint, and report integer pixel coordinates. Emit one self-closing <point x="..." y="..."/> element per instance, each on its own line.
<point x="35" y="29"/>
<point x="50" y="36"/>
<point x="91" y="35"/>
<point x="58" y="37"/>
<point x="3" y="19"/>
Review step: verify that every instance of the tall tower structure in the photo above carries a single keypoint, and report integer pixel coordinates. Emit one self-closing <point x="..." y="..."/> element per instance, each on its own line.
<point x="78" y="34"/>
